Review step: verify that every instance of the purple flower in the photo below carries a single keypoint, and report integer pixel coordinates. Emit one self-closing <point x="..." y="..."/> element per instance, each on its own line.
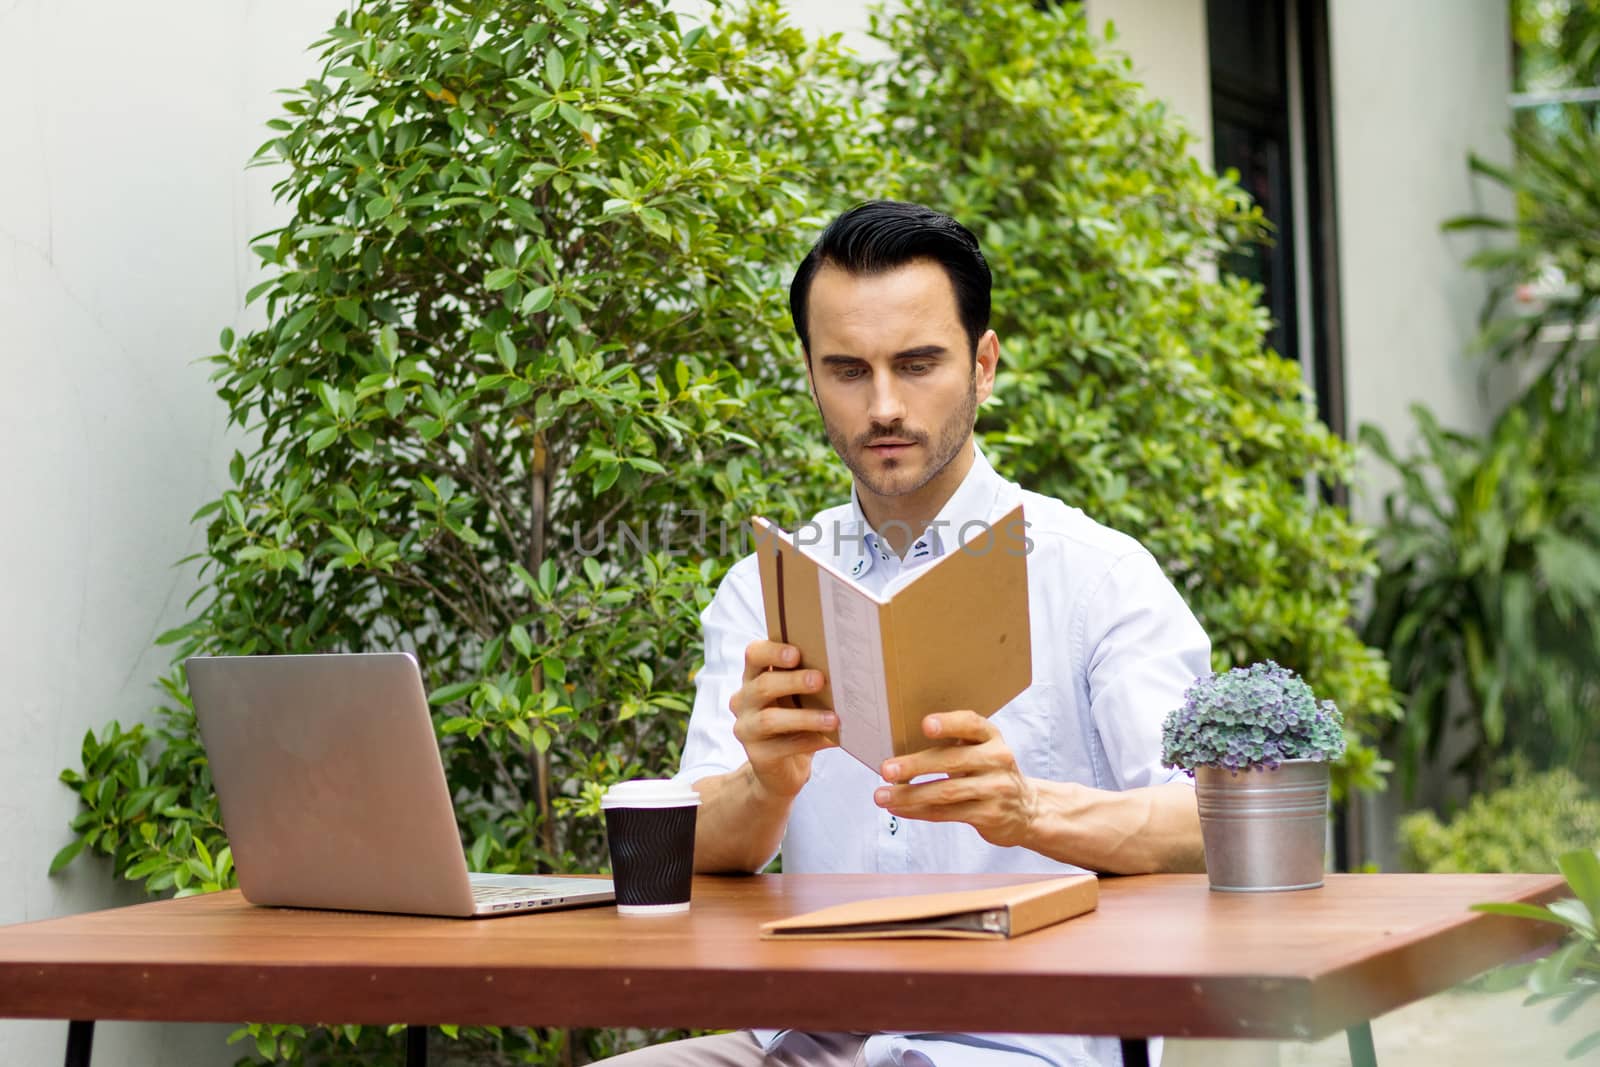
<point x="1255" y="716"/>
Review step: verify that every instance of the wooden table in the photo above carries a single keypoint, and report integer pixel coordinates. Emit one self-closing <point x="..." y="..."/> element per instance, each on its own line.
<point x="1162" y="956"/>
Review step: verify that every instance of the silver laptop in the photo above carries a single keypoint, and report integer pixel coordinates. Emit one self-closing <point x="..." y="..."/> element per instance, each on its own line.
<point x="333" y="794"/>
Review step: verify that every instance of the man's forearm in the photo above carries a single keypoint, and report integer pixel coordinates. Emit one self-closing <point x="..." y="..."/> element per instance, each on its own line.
<point x="1139" y="831"/>
<point x="740" y="825"/>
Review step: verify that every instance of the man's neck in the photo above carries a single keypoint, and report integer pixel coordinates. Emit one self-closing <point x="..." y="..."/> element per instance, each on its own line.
<point x="900" y="520"/>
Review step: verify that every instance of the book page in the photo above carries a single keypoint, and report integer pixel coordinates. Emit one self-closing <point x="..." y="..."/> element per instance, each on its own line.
<point x="855" y="658"/>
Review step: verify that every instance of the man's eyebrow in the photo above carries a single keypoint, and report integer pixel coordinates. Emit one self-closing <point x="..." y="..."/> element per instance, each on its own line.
<point x="919" y="352"/>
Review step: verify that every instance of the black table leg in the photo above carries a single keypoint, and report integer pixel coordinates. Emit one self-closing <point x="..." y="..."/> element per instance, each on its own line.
<point x="1362" y="1051"/>
<point x="1135" y="1052"/>
<point x="416" y="1046"/>
<point x="80" y="1042"/>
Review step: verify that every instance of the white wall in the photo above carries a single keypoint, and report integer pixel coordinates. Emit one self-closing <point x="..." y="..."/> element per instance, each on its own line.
<point x="845" y="17"/>
<point x="1416" y="87"/>
<point x="1166" y="41"/>
<point x="124" y="211"/>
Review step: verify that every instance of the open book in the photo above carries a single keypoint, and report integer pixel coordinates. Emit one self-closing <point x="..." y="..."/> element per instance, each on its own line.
<point x="953" y="635"/>
<point x="1004" y="911"/>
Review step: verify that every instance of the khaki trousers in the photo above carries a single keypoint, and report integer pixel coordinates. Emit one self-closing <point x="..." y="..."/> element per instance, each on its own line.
<point x="739" y="1049"/>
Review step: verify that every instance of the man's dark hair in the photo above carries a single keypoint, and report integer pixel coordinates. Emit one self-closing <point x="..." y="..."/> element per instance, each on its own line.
<point x="881" y="235"/>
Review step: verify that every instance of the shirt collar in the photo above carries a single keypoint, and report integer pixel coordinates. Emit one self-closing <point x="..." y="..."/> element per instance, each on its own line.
<point x="973" y="501"/>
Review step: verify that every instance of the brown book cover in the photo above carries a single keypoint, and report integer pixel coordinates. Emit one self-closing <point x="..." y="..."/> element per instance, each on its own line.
<point x="987" y="914"/>
<point x="953" y="636"/>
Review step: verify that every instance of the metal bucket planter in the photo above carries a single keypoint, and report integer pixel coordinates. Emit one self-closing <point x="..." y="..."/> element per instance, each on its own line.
<point x="1264" y="829"/>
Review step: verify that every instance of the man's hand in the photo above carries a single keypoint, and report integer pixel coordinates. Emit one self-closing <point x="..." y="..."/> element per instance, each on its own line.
<point x="779" y="741"/>
<point x="985" y="788"/>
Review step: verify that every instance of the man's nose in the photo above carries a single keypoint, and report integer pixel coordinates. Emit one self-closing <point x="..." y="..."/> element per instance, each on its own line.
<point x="887" y="406"/>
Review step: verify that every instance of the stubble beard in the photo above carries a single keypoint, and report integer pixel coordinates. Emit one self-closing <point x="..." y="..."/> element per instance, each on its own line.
<point x="952" y="435"/>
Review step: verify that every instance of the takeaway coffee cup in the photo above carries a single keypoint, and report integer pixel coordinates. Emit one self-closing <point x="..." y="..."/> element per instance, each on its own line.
<point x="650" y="830"/>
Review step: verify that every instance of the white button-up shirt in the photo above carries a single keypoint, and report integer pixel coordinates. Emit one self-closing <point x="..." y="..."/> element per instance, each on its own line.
<point x="1114" y="647"/>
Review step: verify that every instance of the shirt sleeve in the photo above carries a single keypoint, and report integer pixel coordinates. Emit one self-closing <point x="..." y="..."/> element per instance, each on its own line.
<point x="1142" y="647"/>
<point x="732" y="620"/>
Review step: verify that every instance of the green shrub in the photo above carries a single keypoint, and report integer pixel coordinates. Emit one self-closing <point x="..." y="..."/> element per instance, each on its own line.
<point x="1525" y="826"/>
<point x="1134" y="383"/>
<point x="527" y="338"/>
<point x="1488" y="605"/>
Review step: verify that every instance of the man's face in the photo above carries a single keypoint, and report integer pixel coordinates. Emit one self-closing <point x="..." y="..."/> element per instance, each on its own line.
<point x="894" y="377"/>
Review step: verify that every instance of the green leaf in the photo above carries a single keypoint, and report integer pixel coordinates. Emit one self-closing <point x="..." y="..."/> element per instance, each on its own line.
<point x="67" y="854"/>
<point x="555" y="69"/>
<point x="446" y="694"/>
<point x="572" y="117"/>
<point x="1581" y="867"/>
<point x="1582" y="1048"/>
<point x="506" y="350"/>
<point x="1554" y="973"/>
<point x="1520" y="911"/>
<point x="1576" y="916"/>
<point x="537" y="299"/>
<point x="322" y="439"/>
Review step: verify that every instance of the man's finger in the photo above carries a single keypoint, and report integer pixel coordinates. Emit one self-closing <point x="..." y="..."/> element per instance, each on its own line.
<point x="953" y="760"/>
<point x="967" y="811"/>
<point x="773" y="686"/>
<point x="762" y="656"/>
<point x="958" y="726"/>
<point x="778" y="722"/>
<point x="939" y="793"/>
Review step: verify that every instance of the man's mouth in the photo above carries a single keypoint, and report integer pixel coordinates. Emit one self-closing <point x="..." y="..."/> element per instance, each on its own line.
<point x="890" y="446"/>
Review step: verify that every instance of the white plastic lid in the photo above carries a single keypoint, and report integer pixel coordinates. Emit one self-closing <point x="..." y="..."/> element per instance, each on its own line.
<point x="650" y="793"/>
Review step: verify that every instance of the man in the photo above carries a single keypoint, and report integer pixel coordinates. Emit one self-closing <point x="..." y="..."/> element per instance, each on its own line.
<point x="892" y="309"/>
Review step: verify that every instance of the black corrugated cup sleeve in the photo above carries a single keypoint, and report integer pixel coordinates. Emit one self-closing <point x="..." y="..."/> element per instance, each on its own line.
<point x="652" y="856"/>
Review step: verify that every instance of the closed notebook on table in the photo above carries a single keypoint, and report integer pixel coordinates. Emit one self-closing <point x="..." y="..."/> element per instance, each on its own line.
<point x="987" y="914"/>
<point x="949" y="635"/>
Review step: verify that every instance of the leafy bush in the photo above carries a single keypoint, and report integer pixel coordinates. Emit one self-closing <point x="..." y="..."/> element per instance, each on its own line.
<point x="492" y="427"/>
<point x="1525" y="826"/>
<point x="1488" y="604"/>
<point x="1134" y="382"/>
<point x="1255" y="716"/>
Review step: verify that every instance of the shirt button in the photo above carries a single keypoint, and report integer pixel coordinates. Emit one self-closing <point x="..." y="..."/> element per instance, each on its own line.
<point x="894" y="825"/>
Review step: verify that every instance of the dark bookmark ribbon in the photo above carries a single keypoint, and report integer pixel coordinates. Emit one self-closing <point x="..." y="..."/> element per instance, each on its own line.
<point x="783" y="614"/>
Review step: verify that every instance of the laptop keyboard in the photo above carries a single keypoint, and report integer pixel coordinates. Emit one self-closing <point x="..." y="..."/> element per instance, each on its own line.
<point x="494" y="894"/>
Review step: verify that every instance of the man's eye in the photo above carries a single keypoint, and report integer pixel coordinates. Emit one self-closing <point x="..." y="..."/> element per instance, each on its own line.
<point x="921" y="367"/>
<point x="850" y="374"/>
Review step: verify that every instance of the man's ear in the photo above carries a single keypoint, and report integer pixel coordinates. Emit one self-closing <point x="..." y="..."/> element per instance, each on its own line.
<point x="988" y="358"/>
<point x="811" y="379"/>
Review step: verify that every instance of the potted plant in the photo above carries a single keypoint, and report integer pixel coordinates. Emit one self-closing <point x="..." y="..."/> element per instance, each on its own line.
<point x="1257" y="743"/>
